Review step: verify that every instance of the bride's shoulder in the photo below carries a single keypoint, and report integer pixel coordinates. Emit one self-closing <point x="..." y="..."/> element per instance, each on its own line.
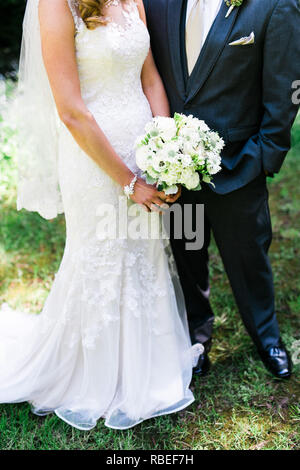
<point x="55" y="3"/>
<point x="56" y="15"/>
<point x="56" y="7"/>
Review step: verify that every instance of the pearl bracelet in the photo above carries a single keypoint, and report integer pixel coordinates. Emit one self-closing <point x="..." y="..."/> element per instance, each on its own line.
<point x="129" y="189"/>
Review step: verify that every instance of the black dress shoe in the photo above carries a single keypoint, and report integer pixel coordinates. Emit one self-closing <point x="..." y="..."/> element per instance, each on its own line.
<point x="277" y="360"/>
<point x="203" y="365"/>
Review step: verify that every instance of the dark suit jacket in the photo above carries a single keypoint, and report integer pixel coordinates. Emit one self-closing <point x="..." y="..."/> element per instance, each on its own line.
<point x="243" y="92"/>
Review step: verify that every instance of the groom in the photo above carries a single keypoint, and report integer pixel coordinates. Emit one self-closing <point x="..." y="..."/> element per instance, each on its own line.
<point x="236" y="72"/>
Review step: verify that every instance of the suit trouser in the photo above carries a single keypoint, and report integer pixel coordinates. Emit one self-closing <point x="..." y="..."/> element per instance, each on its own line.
<point x="241" y="224"/>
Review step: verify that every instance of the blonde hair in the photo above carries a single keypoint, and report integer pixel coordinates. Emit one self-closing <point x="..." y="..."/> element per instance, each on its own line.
<point x="91" y="12"/>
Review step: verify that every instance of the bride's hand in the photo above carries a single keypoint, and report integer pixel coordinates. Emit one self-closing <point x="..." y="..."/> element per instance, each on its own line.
<point x="147" y="196"/>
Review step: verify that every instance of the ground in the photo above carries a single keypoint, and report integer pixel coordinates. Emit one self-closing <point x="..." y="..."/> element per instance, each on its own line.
<point x="238" y="405"/>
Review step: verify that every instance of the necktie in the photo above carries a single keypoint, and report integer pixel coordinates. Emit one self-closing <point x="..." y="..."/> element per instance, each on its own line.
<point x="194" y="34"/>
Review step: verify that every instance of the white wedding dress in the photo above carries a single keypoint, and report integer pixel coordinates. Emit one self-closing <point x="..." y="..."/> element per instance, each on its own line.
<point x="112" y="340"/>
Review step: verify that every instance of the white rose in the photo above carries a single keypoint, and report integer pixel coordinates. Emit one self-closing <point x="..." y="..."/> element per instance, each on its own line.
<point x="213" y="159"/>
<point x="143" y="157"/>
<point x="196" y="124"/>
<point x="213" y="169"/>
<point x="166" y="127"/>
<point x="186" y="160"/>
<point x="171" y="150"/>
<point x="214" y="165"/>
<point x="190" y="178"/>
<point x="191" y="121"/>
<point x="138" y="141"/>
<point x="159" y="161"/>
<point x="172" y="174"/>
<point x="170" y="179"/>
<point x="151" y="129"/>
<point x="193" y="181"/>
<point x="203" y="127"/>
<point x="151" y="172"/>
<point x="188" y="147"/>
<point x="190" y="134"/>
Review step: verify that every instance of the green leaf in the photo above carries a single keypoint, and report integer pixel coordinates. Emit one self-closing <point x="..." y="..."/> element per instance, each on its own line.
<point x="198" y="187"/>
<point x="206" y="178"/>
<point x="171" y="189"/>
<point x="150" y="180"/>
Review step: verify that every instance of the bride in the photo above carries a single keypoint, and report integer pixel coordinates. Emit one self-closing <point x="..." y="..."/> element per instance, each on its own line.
<point x="112" y="340"/>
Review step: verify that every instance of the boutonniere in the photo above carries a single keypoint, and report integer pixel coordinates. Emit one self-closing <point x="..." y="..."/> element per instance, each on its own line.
<point x="232" y="4"/>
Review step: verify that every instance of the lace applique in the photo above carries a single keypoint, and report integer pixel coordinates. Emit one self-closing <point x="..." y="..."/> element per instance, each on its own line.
<point x="130" y="15"/>
<point x="78" y="22"/>
<point x="106" y="286"/>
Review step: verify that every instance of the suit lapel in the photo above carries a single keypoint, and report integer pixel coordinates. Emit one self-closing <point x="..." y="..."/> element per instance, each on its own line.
<point x="182" y="44"/>
<point x="175" y="8"/>
<point x="211" y="50"/>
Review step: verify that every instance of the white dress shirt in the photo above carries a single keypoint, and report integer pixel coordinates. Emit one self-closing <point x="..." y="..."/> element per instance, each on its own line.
<point x="210" y="10"/>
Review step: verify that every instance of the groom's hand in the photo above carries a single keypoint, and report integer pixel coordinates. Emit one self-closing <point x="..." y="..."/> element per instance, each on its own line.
<point x="149" y="197"/>
<point x="173" y="198"/>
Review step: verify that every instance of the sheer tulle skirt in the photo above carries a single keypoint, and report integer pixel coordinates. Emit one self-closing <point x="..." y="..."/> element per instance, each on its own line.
<point x="112" y="340"/>
<point x="122" y="360"/>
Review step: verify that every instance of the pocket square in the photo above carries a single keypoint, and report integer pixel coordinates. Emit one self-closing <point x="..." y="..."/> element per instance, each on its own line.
<point x="244" y="41"/>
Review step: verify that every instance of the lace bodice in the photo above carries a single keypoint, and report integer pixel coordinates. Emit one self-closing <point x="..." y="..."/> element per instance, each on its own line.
<point x="110" y="59"/>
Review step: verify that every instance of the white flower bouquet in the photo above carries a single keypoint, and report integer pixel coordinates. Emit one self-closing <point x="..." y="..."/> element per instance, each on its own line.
<point x="178" y="151"/>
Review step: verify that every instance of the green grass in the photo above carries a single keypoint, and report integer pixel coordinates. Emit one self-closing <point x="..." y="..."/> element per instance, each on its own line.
<point x="238" y="406"/>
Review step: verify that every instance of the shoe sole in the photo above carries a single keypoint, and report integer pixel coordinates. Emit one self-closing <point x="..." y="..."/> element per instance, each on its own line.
<point x="201" y="374"/>
<point x="279" y="377"/>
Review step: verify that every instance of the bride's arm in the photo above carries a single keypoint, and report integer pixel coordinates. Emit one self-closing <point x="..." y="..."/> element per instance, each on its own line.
<point x="154" y="89"/>
<point x="152" y="83"/>
<point x="57" y="34"/>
